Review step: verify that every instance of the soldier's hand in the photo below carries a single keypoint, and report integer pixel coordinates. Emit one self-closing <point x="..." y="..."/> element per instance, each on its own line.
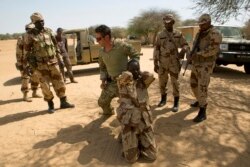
<point x="103" y="84"/>
<point x="156" y="68"/>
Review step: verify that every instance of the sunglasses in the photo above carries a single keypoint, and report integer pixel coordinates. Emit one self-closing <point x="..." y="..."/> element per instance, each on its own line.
<point x="98" y="39"/>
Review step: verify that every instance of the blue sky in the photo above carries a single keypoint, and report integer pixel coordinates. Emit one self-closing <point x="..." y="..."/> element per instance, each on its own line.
<point x="14" y="14"/>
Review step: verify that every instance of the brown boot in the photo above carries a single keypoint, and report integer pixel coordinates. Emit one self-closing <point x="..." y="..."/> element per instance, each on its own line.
<point x="35" y="95"/>
<point x="25" y="97"/>
<point x="72" y="80"/>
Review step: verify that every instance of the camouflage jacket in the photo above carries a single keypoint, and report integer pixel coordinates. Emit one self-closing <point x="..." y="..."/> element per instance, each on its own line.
<point x="166" y="46"/>
<point x="43" y="46"/>
<point x="208" y="46"/>
<point x="133" y="101"/>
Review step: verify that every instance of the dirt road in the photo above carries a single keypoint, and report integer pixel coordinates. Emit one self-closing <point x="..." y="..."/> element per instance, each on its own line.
<point x="81" y="137"/>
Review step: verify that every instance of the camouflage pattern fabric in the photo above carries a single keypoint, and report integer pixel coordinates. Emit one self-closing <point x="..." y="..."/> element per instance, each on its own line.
<point x="203" y="62"/>
<point x="112" y="64"/>
<point x="22" y="62"/>
<point x="107" y="94"/>
<point x="136" y="119"/>
<point x="44" y="51"/>
<point x="166" y="56"/>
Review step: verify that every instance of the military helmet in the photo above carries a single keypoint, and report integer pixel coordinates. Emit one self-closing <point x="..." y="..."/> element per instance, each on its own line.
<point x="204" y="18"/>
<point x="29" y="26"/>
<point x="168" y="18"/>
<point x="36" y="17"/>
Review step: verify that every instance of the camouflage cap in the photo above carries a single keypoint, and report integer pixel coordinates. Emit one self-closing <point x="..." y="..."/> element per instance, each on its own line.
<point x="29" y="26"/>
<point x="168" y="18"/>
<point x="36" y="17"/>
<point x="204" y="19"/>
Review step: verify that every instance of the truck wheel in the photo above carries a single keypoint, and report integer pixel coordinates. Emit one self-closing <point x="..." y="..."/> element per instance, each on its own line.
<point x="247" y="68"/>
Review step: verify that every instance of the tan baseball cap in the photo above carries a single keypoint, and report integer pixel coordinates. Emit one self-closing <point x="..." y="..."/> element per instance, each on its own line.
<point x="168" y="18"/>
<point x="204" y="18"/>
<point x="36" y="17"/>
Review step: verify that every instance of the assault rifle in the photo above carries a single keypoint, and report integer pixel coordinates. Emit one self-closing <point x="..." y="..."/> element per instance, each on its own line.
<point x="195" y="47"/>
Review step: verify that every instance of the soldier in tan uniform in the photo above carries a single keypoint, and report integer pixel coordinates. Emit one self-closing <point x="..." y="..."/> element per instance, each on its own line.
<point x="62" y="44"/>
<point x="113" y="59"/>
<point x="45" y="53"/>
<point x="205" y="51"/>
<point x="23" y="66"/>
<point x="167" y="59"/>
<point x="134" y="114"/>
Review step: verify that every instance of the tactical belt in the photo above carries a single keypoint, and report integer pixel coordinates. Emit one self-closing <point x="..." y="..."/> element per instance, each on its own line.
<point x="44" y="59"/>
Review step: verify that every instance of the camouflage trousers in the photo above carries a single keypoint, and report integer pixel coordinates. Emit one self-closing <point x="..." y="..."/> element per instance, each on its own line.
<point x="199" y="81"/>
<point x="107" y="94"/>
<point x="163" y="75"/>
<point x="136" y="143"/>
<point x="47" y="74"/>
<point x="137" y="133"/>
<point x="68" y="66"/>
<point x="33" y="79"/>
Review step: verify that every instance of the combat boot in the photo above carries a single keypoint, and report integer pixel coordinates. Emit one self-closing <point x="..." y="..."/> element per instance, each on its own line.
<point x="35" y="95"/>
<point x="72" y="80"/>
<point x="25" y="97"/>
<point x="195" y="104"/>
<point x="201" y="115"/>
<point x="51" y="108"/>
<point x="163" y="100"/>
<point x="65" y="104"/>
<point x="176" y="104"/>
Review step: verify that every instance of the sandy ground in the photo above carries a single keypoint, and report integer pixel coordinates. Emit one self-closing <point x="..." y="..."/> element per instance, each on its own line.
<point x="81" y="137"/>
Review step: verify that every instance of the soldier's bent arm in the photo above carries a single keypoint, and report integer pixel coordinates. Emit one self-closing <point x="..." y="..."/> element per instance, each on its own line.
<point x="156" y="53"/>
<point x="213" y="47"/>
<point x="132" y="53"/>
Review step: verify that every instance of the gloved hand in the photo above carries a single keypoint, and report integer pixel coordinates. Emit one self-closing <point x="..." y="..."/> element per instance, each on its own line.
<point x="156" y="68"/>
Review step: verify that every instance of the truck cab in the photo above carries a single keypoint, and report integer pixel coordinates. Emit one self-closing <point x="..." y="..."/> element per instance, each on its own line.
<point x="83" y="48"/>
<point x="234" y="49"/>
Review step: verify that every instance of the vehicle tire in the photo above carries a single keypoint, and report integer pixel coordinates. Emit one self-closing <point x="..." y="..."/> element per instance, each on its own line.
<point x="247" y="68"/>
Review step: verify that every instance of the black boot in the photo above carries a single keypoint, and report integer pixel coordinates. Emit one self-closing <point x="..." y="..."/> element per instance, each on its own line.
<point x="201" y="115"/>
<point x="51" y="107"/>
<point x="65" y="104"/>
<point x="195" y="104"/>
<point x="163" y="100"/>
<point x="176" y="104"/>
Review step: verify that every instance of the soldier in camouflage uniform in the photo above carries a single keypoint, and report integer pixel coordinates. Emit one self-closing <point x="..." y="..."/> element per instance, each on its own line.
<point x="43" y="45"/>
<point x="24" y="67"/>
<point x="207" y="42"/>
<point x="134" y="114"/>
<point x="63" y="46"/>
<point x="167" y="59"/>
<point x="113" y="58"/>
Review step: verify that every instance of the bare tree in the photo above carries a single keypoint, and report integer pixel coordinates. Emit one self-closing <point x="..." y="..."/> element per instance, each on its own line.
<point x="222" y="10"/>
